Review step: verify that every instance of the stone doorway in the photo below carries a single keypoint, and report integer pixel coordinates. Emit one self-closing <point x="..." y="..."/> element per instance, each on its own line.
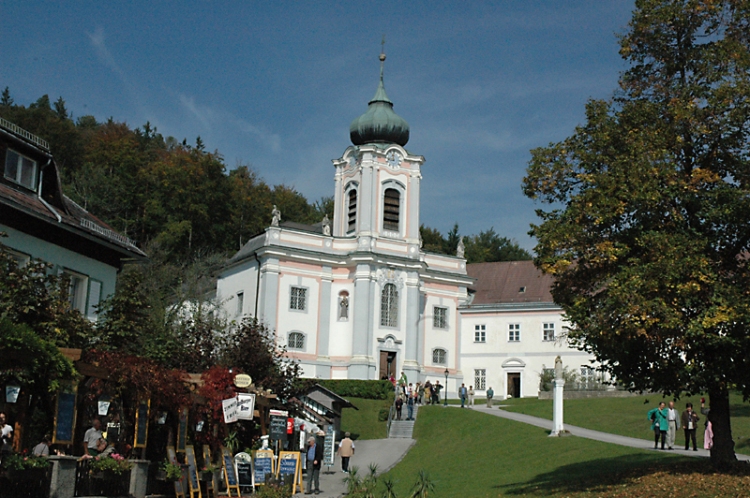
<point x="514" y="385"/>
<point x="387" y="364"/>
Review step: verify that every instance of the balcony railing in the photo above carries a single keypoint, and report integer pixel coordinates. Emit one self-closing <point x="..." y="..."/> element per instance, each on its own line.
<point x="17" y="130"/>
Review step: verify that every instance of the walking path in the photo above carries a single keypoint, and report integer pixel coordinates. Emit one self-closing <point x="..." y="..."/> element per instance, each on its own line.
<point x="595" y="435"/>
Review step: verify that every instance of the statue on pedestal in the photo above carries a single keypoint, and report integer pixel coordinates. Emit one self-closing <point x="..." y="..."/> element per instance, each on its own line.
<point x="275" y="216"/>
<point x="326" y="225"/>
<point x="460" y="248"/>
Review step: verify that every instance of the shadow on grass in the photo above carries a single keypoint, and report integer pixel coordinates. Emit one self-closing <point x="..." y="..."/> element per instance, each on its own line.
<point x="598" y="475"/>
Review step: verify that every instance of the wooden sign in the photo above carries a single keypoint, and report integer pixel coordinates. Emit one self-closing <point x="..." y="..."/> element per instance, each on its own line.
<point x="193" y="482"/>
<point x="182" y="430"/>
<point x="289" y="464"/>
<point x="263" y="465"/>
<point x="179" y="485"/>
<point x="141" y="424"/>
<point x="230" y="473"/>
<point x="65" y="416"/>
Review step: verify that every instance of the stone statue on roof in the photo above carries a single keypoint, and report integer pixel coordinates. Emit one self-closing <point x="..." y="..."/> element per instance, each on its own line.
<point x="275" y="216"/>
<point x="326" y="225"/>
<point x="460" y="248"/>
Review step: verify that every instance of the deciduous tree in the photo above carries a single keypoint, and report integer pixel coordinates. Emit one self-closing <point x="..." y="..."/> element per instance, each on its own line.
<point x="648" y="233"/>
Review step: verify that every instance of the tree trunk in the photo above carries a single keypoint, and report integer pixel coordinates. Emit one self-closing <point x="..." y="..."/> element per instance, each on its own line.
<point x="722" y="452"/>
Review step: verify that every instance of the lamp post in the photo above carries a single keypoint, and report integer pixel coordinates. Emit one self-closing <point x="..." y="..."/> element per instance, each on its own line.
<point x="445" y="396"/>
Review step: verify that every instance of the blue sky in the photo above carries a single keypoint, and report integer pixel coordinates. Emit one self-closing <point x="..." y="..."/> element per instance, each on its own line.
<point x="275" y="85"/>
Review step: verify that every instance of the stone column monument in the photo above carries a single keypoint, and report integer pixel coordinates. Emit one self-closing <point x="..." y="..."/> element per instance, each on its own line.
<point x="557" y="401"/>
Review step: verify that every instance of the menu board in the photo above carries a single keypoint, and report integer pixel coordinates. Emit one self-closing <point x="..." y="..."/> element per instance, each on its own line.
<point x="65" y="417"/>
<point x="277" y="428"/>
<point x="245" y="473"/>
<point x="141" y="424"/>
<point x="192" y="469"/>
<point x="328" y="446"/>
<point x="182" y="430"/>
<point x="263" y="465"/>
<point x="230" y="473"/>
<point x="289" y="465"/>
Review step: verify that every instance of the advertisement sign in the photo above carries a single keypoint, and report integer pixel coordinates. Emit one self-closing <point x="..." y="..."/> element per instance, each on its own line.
<point x="246" y="406"/>
<point x="230" y="410"/>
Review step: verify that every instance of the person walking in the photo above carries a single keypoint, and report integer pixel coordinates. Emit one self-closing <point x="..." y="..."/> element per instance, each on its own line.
<point x="690" y="424"/>
<point x="6" y="437"/>
<point x="399" y="406"/>
<point x="314" y="460"/>
<point x="436" y="393"/>
<point x="672" y="421"/>
<point x="420" y="393"/>
<point x="658" y="418"/>
<point x="471" y="396"/>
<point x="490" y="395"/>
<point x="462" y="393"/>
<point x="410" y="408"/>
<point x="346" y="451"/>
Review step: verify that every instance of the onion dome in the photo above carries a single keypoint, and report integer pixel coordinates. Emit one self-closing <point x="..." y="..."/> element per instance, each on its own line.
<point x="380" y="124"/>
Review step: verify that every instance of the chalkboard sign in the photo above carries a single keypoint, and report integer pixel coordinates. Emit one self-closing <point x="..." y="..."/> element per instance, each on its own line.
<point x="141" y="424"/>
<point x="328" y="447"/>
<point x="263" y="465"/>
<point x="277" y="429"/>
<point x="230" y="473"/>
<point x="65" y="417"/>
<point x="182" y="430"/>
<point x="245" y="473"/>
<point x="195" y="486"/>
<point x="179" y="485"/>
<point x="289" y="465"/>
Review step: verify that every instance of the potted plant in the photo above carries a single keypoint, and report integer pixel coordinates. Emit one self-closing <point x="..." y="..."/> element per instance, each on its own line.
<point x="169" y="472"/>
<point x="208" y="471"/>
<point x="114" y="464"/>
<point x="26" y="467"/>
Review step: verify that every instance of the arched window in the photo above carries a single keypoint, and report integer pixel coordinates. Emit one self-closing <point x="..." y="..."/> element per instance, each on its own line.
<point x="352" y="213"/>
<point x="439" y="356"/>
<point x="391" y="209"/>
<point x="389" y="306"/>
<point x="296" y="340"/>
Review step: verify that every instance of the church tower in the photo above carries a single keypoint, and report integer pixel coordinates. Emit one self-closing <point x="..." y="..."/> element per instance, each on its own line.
<point x="377" y="180"/>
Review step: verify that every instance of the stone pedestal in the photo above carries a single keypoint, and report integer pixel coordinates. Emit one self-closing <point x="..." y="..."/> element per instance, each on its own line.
<point x="138" y="478"/>
<point x="63" y="476"/>
<point x="557" y="408"/>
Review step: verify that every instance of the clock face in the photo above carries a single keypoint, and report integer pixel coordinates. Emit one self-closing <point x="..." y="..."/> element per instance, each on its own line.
<point x="393" y="158"/>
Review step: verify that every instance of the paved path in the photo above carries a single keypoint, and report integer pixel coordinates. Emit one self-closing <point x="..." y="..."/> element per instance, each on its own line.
<point x="385" y="453"/>
<point x="595" y="435"/>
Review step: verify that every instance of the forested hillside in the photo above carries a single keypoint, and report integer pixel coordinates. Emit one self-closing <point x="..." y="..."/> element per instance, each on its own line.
<point x="179" y="201"/>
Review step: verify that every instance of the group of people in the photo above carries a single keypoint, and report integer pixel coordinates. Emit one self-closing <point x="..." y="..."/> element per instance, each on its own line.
<point x="314" y="454"/>
<point x="665" y="422"/>
<point x="410" y="394"/>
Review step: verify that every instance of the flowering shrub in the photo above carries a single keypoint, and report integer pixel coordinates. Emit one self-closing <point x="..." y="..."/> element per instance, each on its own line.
<point x="115" y="463"/>
<point x="23" y="462"/>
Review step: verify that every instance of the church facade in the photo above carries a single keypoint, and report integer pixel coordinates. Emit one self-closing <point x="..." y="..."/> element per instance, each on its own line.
<point x="356" y="297"/>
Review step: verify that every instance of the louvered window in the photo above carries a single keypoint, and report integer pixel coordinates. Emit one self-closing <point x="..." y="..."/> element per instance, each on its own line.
<point x="391" y="209"/>
<point x="352" y="211"/>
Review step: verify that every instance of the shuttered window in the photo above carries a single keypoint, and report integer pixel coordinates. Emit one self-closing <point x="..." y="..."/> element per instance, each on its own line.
<point x="391" y="209"/>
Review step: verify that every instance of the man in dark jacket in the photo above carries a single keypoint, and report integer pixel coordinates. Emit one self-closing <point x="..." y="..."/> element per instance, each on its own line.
<point x="314" y="460"/>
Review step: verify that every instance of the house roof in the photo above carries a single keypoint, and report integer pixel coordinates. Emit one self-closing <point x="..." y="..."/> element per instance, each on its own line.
<point x="509" y="282"/>
<point x="327" y="398"/>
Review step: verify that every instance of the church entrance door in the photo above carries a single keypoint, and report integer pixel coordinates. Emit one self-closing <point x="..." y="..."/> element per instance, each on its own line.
<point x="387" y="364"/>
<point x="514" y="385"/>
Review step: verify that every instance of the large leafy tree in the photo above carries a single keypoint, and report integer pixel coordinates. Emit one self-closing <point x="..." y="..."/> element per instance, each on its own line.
<point x="647" y="233"/>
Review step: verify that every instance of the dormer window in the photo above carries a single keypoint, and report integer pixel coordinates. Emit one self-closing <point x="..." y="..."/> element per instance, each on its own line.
<point x="20" y="169"/>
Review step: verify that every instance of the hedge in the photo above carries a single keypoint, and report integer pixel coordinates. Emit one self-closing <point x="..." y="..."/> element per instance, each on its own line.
<point x="368" y="389"/>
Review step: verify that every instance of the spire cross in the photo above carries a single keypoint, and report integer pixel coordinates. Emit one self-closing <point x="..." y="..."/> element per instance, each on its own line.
<point x="382" y="57"/>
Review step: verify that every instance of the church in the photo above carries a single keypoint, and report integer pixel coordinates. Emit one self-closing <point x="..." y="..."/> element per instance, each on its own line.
<point x="356" y="297"/>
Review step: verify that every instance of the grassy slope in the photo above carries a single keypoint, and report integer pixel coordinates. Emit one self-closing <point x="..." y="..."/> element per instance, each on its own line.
<point x="627" y="416"/>
<point x="365" y="420"/>
<point x="469" y="454"/>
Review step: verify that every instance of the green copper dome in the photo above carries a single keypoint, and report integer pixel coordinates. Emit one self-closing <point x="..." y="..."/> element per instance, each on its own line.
<point x="380" y="124"/>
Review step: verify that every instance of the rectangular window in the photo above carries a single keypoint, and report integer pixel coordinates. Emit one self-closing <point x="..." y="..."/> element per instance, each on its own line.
<point x="389" y="306"/>
<point x="549" y="331"/>
<point x="296" y="340"/>
<point x="480" y="333"/>
<point x="480" y="379"/>
<point x="514" y="332"/>
<point x="440" y="317"/>
<point x="439" y="356"/>
<point x="77" y="290"/>
<point x="298" y="299"/>
<point x="391" y="208"/>
<point x="20" y="169"/>
<point x="240" y="304"/>
<point x="20" y="258"/>
<point x="95" y="295"/>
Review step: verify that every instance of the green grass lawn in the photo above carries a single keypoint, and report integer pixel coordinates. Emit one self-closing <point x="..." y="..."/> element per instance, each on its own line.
<point x="365" y="420"/>
<point x="470" y="454"/>
<point x="627" y="416"/>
